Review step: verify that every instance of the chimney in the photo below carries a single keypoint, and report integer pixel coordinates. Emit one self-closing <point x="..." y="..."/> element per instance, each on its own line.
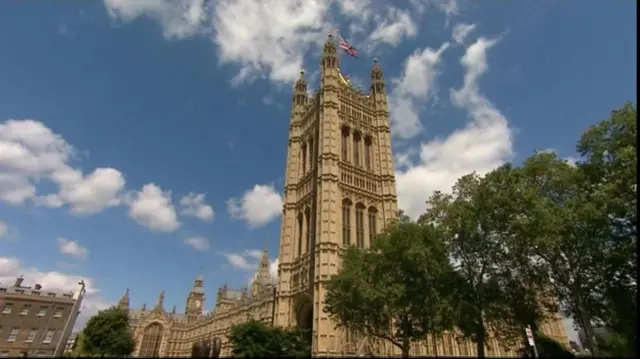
<point x="38" y="287"/>
<point x="18" y="282"/>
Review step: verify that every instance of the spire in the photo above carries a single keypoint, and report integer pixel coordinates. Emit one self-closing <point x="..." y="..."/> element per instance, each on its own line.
<point x="124" y="300"/>
<point x="198" y="283"/>
<point x="173" y="311"/>
<point x="263" y="268"/>
<point x="377" y="78"/>
<point x="300" y="91"/>
<point x="160" y="303"/>
<point x="144" y="307"/>
<point x="330" y="58"/>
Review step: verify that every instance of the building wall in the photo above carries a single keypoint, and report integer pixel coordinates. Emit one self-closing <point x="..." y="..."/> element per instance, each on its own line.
<point x="32" y="321"/>
<point x="329" y="176"/>
<point x="178" y="335"/>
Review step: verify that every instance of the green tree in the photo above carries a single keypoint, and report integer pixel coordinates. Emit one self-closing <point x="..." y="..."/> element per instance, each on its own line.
<point x="108" y="334"/>
<point x="497" y="288"/>
<point x="398" y="290"/>
<point x="610" y="161"/>
<point x="254" y="339"/>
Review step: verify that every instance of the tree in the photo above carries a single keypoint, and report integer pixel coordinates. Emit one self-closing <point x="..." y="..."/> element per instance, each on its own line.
<point x="497" y="289"/>
<point x="255" y="339"/>
<point x="108" y="334"/>
<point x="610" y="169"/>
<point x="398" y="290"/>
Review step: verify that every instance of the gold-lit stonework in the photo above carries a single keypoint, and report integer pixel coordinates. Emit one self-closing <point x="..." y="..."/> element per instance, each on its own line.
<point x="339" y="190"/>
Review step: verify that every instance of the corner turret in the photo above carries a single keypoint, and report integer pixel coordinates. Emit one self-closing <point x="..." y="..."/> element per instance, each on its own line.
<point x="124" y="301"/>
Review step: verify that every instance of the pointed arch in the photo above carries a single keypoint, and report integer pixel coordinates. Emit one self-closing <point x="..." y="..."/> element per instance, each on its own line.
<point x="151" y="340"/>
<point x="311" y="153"/>
<point x="300" y="232"/>
<point x="357" y="151"/>
<point x="360" y="209"/>
<point x="372" y="217"/>
<point x="303" y="153"/>
<point x="307" y="215"/>
<point x="345" y="134"/>
<point x="368" y="153"/>
<point x="346" y="222"/>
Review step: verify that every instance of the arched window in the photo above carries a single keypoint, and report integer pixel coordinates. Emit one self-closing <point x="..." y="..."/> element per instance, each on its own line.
<point x="307" y="214"/>
<point x="300" y="224"/>
<point x="345" y="144"/>
<point x="151" y="339"/>
<point x="356" y="148"/>
<point x="367" y="153"/>
<point x="360" y="225"/>
<point x="373" y="217"/>
<point x="312" y="160"/>
<point x="346" y="222"/>
<point x="304" y="159"/>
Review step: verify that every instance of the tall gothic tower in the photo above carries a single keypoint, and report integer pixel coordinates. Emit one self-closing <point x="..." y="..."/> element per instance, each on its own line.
<point x="339" y="191"/>
<point x="195" y="300"/>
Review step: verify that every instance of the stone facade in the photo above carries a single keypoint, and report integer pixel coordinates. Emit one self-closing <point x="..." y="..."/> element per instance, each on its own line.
<point x="339" y="190"/>
<point x="158" y="332"/>
<point x="35" y="321"/>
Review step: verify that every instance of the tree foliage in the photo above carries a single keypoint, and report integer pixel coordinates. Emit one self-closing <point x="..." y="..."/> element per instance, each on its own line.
<point x="108" y="334"/>
<point x="255" y="339"/>
<point x="498" y="292"/>
<point x="398" y="290"/>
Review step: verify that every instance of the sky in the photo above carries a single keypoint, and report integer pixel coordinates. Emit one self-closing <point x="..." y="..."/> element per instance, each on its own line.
<point x="143" y="142"/>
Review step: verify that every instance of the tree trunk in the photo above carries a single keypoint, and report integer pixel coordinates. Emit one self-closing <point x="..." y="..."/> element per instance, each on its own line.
<point x="585" y="324"/>
<point x="434" y="338"/>
<point x="406" y="345"/>
<point x="481" y="340"/>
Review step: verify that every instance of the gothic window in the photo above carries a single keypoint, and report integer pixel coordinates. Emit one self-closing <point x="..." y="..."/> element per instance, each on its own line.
<point x="373" y="216"/>
<point x="300" y="226"/>
<point x="311" y="153"/>
<point x="308" y="234"/>
<point x="304" y="158"/>
<point x="367" y="153"/>
<point x="151" y="339"/>
<point x="346" y="222"/>
<point x="345" y="144"/>
<point x="356" y="148"/>
<point x="360" y="225"/>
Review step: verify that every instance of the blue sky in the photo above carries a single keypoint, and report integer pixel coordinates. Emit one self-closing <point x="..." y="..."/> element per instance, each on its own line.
<point x="142" y="142"/>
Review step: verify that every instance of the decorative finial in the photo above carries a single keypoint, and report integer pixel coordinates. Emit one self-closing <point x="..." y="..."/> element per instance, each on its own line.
<point x="301" y="73"/>
<point x="375" y="60"/>
<point x="330" y="35"/>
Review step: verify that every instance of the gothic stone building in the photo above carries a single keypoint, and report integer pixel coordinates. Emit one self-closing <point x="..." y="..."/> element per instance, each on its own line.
<point x="339" y="190"/>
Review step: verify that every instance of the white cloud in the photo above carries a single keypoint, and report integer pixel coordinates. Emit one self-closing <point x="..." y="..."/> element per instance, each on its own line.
<point x="11" y="268"/>
<point x="257" y="206"/>
<point x="461" y="31"/>
<point x="482" y="145"/>
<point x="200" y="244"/>
<point x="415" y="86"/>
<point x="152" y="208"/>
<point x="30" y="152"/>
<point x="239" y="260"/>
<point x="72" y="248"/>
<point x="179" y="18"/>
<point x="4" y="229"/>
<point x="194" y="205"/>
<point x="268" y="38"/>
<point x="393" y="27"/>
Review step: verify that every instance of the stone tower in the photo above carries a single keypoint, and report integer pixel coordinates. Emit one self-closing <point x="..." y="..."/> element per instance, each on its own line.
<point x="339" y="191"/>
<point x="195" y="300"/>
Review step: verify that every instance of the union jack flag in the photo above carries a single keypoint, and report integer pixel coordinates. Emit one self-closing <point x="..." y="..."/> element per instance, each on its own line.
<point x="350" y="50"/>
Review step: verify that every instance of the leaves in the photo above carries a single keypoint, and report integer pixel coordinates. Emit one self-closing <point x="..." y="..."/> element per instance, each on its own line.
<point x="108" y="333"/>
<point x="398" y="290"/>
<point x="254" y="339"/>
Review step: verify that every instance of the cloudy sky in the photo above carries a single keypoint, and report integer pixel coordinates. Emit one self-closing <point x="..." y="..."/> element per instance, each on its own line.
<point x="144" y="141"/>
